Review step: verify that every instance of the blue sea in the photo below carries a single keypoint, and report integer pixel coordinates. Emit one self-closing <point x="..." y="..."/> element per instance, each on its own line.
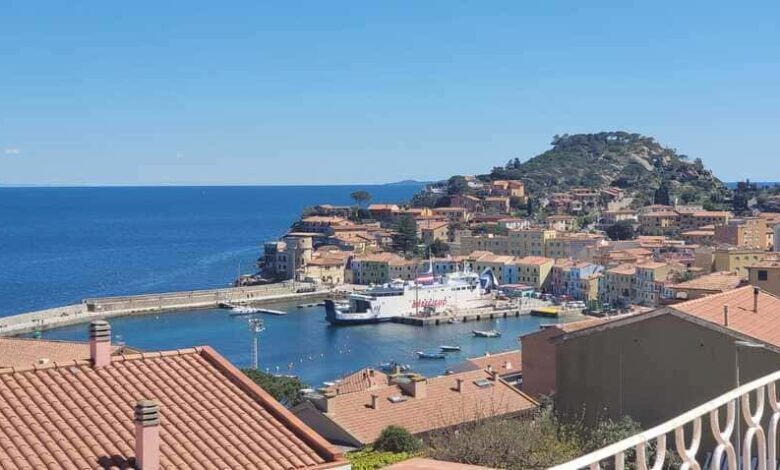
<point x="60" y="245"/>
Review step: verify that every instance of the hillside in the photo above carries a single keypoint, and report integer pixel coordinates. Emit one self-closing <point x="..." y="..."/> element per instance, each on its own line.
<point x="631" y="161"/>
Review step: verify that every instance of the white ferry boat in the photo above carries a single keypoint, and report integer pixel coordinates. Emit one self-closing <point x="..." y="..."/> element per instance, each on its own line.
<point x="426" y="296"/>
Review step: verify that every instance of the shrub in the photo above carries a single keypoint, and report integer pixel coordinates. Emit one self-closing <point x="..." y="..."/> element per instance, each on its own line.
<point x="397" y="439"/>
<point x="370" y="459"/>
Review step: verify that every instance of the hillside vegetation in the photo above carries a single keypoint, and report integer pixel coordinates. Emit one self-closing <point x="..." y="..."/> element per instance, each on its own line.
<point x="634" y="162"/>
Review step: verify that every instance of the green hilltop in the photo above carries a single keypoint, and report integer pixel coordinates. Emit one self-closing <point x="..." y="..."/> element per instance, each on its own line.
<point x="633" y="162"/>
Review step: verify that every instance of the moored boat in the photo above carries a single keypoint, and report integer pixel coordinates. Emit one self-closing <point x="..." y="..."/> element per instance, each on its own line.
<point x="430" y="355"/>
<point x="449" y="348"/>
<point x="486" y="333"/>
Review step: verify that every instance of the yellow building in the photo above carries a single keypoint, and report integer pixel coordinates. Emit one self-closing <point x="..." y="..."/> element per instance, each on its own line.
<point x="431" y="230"/>
<point x="529" y="242"/>
<point x="649" y="281"/>
<point x="534" y="271"/>
<point x="619" y="284"/>
<point x="736" y="260"/>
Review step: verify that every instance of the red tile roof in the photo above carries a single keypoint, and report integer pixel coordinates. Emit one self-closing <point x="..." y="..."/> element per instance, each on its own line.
<point x="762" y="325"/>
<point x="360" y="381"/>
<point x="73" y="415"/>
<point x="27" y="352"/>
<point x="442" y="406"/>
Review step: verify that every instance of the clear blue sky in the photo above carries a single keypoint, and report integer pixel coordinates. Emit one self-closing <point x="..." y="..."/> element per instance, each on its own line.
<point x="253" y="92"/>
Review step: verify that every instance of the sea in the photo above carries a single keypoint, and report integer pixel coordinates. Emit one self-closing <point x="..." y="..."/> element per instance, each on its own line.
<point x="61" y="245"/>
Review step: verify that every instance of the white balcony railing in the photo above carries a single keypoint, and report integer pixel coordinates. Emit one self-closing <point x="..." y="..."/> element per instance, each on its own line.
<point x="758" y="431"/>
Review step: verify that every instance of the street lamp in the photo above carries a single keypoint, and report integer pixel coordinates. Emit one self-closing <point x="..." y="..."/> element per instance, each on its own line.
<point x="737" y="346"/>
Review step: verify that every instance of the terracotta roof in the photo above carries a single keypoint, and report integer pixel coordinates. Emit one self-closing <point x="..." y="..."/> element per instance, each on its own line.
<point x="442" y="405"/>
<point x="360" y="381"/>
<point x="27" y="352"/>
<point x="719" y="282"/>
<point x="761" y="325"/>
<point x="383" y="207"/>
<point x="624" y="269"/>
<point x="73" y="415"/>
<point x="536" y="260"/>
<point x="651" y="265"/>
<point x="509" y="362"/>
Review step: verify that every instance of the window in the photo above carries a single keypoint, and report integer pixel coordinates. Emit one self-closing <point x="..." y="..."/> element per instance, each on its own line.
<point x="762" y="275"/>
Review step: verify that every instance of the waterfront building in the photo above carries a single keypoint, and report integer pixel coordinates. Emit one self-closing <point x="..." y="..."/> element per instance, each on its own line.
<point x="372" y="269"/>
<point x="619" y="285"/>
<point x="288" y="257"/>
<point x="503" y="267"/>
<point x="746" y="232"/>
<point x="576" y="279"/>
<point x="327" y="267"/>
<point x="175" y="409"/>
<point x="419" y="404"/>
<point x="534" y="271"/>
<point x="650" y="279"/>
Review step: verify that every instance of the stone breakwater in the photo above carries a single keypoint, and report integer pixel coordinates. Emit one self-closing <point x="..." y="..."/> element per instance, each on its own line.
<point x="108" y="307"/>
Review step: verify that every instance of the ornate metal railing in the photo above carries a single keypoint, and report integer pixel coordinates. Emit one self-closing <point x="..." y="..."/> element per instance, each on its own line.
<point x="757" y="445"/>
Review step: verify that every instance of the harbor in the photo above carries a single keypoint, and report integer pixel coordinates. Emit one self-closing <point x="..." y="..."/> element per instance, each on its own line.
<point x="148" y="304"/>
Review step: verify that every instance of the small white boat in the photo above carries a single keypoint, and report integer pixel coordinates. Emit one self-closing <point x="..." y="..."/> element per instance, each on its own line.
<point x="486" y="333"/>
<point x="449" y="348"/>
<point x="243" y="310"/>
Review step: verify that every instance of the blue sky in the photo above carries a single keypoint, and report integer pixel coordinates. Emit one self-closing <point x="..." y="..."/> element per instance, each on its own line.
<point x="361" y="92"/>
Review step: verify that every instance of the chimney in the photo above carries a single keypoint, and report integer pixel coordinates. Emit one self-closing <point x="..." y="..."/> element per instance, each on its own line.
<point x="508" y="365"/>
<point x="725" y="315"/>
<point x="324" y="402"/>
<point x="100" y="343"/>
<point x="375" y="402"/>
<point x="147" y="435"/>
<point x="458" y="385"/>
<point x="490" y="368"/>
<point x="419" y="387"/>
<point x="493" y="375"/>
<point x="756" y="291"/>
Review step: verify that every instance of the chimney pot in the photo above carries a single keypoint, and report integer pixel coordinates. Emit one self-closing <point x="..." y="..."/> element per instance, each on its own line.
<point x="375" y="401"/>
<point x="100" y="343"/>
<point x="459" y="385"/>
<point x="756" y="292"/>
<point x="725" y="315"/>
<point x="147" y="435"/>
<point x="508" y="365"/>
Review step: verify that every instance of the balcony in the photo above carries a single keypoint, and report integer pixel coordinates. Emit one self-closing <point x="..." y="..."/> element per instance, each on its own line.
<point x="749" y="436"/>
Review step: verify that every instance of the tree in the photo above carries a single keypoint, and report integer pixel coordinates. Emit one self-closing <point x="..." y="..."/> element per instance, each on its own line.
<point x="662" y="195"/>
<point x="530" y="206"/>
<point x="397" y="439"/>
<point x="622" y="230"/>
<point x="405" y="238"/>
<point x="439" y="248"/>
<point x="360" y="197"/>
<point x="286" y="390"/>
<point x="457" y="185"/>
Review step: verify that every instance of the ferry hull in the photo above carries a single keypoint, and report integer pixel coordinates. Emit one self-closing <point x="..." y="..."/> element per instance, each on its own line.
<point x="334" y="317"/>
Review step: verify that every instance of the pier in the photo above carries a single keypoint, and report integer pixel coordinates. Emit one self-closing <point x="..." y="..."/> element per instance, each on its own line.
<point x="110" y="307"/>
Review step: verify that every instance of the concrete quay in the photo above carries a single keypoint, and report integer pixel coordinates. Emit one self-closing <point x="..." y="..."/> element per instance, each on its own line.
<point x="111" y="307"/>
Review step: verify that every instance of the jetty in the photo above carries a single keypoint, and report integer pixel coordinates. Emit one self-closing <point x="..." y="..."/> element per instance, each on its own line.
<point x="111" y="307"/>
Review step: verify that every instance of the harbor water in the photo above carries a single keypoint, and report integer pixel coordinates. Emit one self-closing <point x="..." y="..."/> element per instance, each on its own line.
<point x="60" y="245"/>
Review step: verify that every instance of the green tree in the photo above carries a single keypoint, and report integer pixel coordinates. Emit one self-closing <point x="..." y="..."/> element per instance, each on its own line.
<point x="405" y="238"/>
<point x="457" y="185"/>
<point x="622" y="230"/>
<point x="662" y="195"/>
<point x="360" y="197"/>
<point x="286" y="390"/>
<point x="397" y="439"/>
<point x="439" y="248"/>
